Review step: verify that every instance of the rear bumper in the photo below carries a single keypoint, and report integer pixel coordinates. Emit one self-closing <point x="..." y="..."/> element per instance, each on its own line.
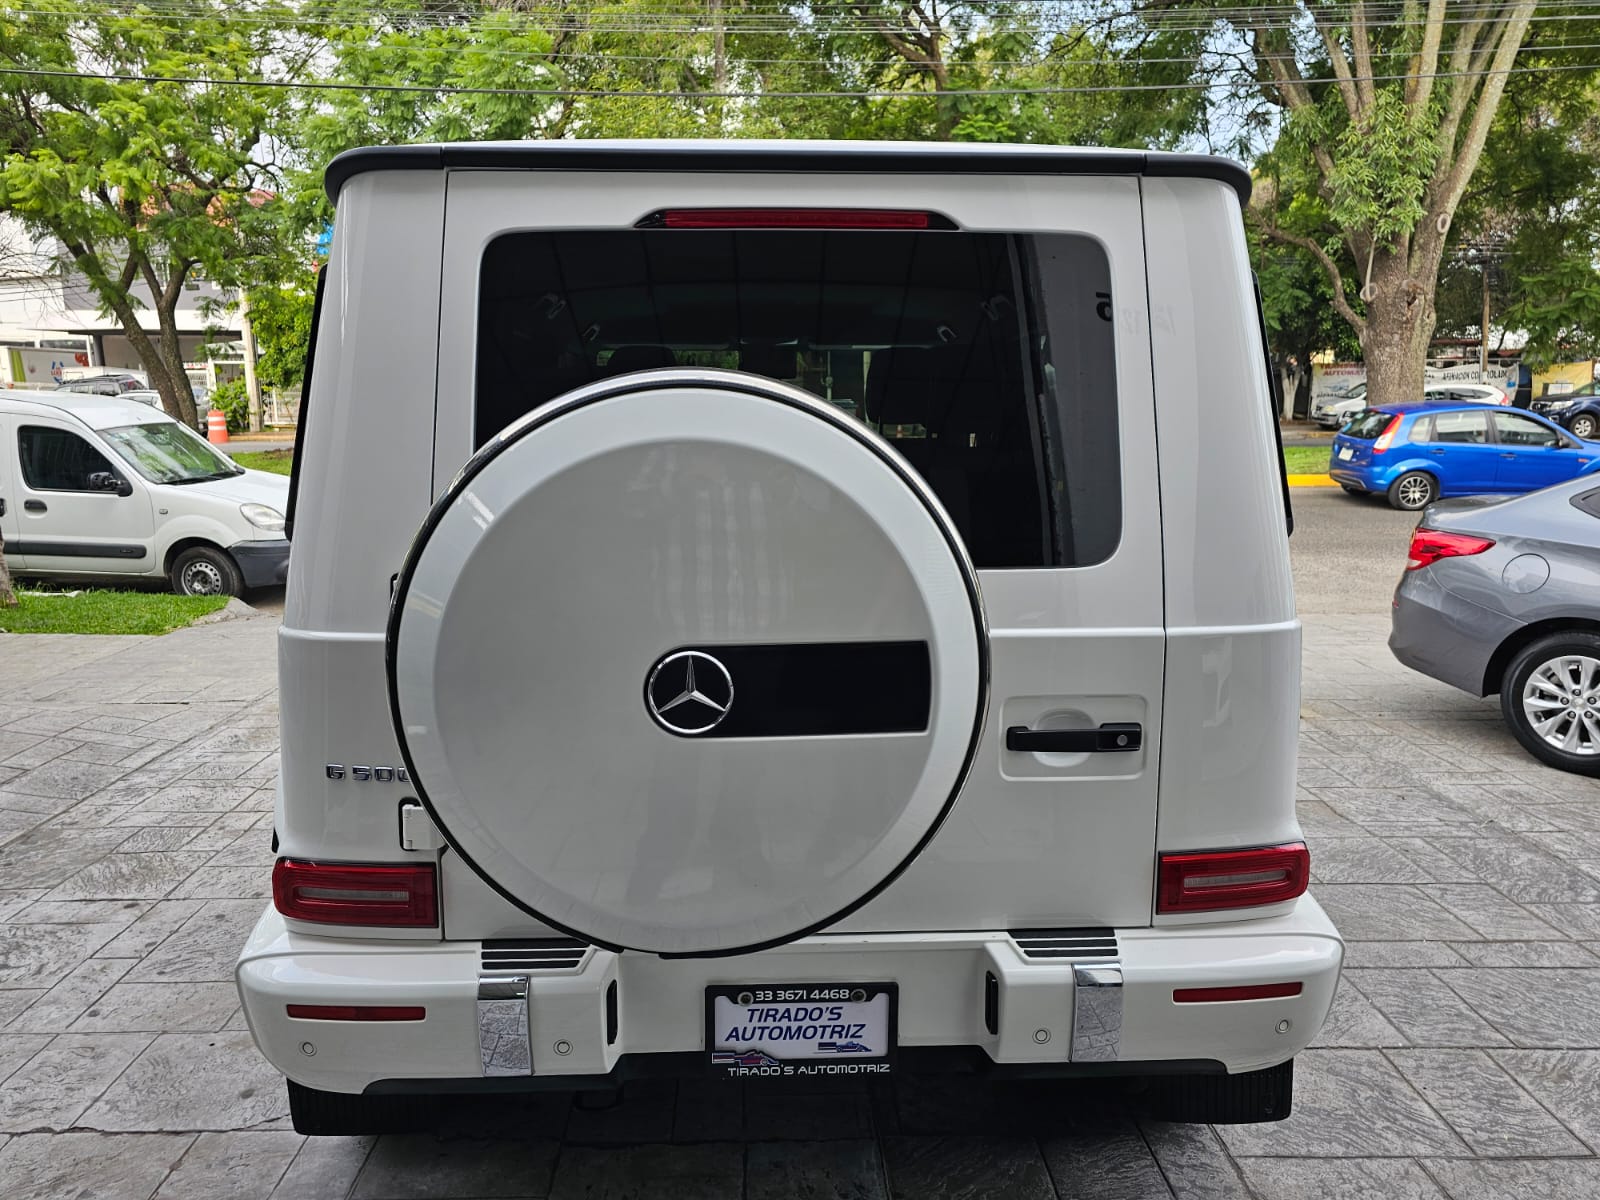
<point x="1436" y="632"/>
<point x="263" y="564"/>
<point x="1356" y="479"/>
<point x="1091" y="1015"/>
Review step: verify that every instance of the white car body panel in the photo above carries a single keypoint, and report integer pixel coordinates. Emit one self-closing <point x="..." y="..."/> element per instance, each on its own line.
<point x="1188" y="629"/>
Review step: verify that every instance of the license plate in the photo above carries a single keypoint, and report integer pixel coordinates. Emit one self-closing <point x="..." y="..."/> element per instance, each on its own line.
<point x="1346" y="454"/>
<point x="800" y="1030"/>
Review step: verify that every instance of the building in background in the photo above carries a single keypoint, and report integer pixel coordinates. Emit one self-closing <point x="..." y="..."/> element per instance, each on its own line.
<point x="47" y="305"/>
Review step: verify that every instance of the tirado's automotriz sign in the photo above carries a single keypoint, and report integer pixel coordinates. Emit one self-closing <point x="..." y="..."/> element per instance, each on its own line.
<point x="800" y="1030"/>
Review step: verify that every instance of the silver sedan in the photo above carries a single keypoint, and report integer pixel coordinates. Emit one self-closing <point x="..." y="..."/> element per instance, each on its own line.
<point x="1502" y="594"/>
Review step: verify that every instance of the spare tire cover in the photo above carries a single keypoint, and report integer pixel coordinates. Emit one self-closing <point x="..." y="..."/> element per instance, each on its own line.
<point x="687" y="662"/>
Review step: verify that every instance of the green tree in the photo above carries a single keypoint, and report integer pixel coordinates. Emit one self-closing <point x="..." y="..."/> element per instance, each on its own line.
<point x="141" y="182"/>
<point x="1394" y="116"/>
<point x="281" y="315"/>
<point x="1535" y="212"/>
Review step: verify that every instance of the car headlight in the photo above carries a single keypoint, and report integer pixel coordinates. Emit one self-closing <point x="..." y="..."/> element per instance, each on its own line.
<point x="1555" y="404"/>
<point x="262" y="517"/>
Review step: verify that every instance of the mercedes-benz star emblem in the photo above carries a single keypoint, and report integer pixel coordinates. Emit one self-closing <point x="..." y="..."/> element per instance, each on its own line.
<point x="689" y="693"/>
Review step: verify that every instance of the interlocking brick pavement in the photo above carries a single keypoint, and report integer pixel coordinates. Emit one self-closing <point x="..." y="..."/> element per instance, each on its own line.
<point x="136" y="777"/>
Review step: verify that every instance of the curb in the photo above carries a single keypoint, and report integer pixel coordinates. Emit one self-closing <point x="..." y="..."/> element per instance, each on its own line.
<point x="1312" y="481"/>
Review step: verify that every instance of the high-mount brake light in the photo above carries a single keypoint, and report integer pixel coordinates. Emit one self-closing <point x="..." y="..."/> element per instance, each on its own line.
<point x="346" y="894"/>
<point x="792" y="218"/>
<point x="1223" y="879"/>
<point x="1428" y="546"/>
<point x="1387" y="436"/>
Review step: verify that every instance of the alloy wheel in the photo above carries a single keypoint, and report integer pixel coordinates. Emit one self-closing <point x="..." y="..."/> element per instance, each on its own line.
<point x="1561" y="701"/>
<point x="1584" y="427"/>
<point x="1414" y="491"/>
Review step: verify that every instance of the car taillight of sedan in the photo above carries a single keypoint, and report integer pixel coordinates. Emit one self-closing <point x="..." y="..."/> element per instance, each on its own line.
<point x="1428" y="546"/>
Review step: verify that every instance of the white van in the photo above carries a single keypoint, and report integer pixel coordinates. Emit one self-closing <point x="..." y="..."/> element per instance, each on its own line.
<point x="797" y="610"/>
<point x="106" y="488"/>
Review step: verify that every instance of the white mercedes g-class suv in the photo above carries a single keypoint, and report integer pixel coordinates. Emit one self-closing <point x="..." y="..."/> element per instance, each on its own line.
<point x="773" y="610"/>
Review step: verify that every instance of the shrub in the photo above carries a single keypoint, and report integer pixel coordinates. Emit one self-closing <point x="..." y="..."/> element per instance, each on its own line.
<point x="234" y="402"/>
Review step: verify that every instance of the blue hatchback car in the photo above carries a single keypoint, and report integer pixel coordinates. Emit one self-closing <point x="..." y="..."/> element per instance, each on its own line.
<point x="1416" y="453"/>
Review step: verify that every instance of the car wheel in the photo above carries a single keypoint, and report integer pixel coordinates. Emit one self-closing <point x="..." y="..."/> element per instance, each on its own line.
<point x="1413" y="490"/>
<point x="206" y="571"/>
<point x="1550" y="695"/>
<point x="1584" y="426"/>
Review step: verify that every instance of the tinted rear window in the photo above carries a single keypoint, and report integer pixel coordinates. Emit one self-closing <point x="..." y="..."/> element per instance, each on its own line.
<point x="1368" y="425"/>
<point x="986" y="359"/>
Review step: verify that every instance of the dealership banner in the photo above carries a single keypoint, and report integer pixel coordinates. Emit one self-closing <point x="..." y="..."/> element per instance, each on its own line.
<point x="1335" y="380"/>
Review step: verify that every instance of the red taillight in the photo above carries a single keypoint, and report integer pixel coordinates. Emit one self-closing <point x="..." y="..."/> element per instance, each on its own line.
<point x="357" y="1012"/>
<point x="342" y="894"/>
<point x="791" y="218"/>
<point x="1386" y="437"/>
<point x="1251" y="991"/>
<point x="1232" y="878"/>
<point x="1428" y="546"/>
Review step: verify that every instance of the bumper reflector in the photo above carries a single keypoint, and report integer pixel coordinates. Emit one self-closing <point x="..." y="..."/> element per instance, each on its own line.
<point x="346" y="894"/>
<point x="1253" y="991"/>
<point x="357" y="1012"/>
<point x="1223" y="879"/>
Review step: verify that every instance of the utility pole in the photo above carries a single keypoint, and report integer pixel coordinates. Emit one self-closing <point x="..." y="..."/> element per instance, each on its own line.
<point x="1483" y="346"/>
<point x="252" y="385"/>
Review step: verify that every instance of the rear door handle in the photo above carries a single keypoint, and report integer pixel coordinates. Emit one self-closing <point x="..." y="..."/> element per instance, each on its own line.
<point x="1508" y="456"/>
<point x="2" y="506"/>
<point x="35" y="506"/>
<point x="1112" y="738"/>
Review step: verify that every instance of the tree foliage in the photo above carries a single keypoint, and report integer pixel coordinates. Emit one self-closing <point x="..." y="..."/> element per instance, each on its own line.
<point x="141" y="183"/>
<point x="1392" y="117"/>
<point x="1365" y="123"/>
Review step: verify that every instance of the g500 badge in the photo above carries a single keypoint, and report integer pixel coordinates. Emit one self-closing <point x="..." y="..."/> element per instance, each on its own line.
<point x="369" y="774"/>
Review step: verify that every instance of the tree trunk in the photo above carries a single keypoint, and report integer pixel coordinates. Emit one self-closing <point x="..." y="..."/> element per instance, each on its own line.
<point x="178" y="396"/>
<point x="8" y="598"/>
<point x="1399" y="327"/>
<point x="252" y="385"/>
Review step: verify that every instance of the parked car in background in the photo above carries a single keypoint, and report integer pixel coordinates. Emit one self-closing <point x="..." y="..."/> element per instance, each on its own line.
<point x="153" y="398"/>
<point x="1334" y="411"/>
<point x="1577" y="410"/>
<point x="103" y="487"/>
<point x="1503" y="595"/>
<point x="1330" y="412"/>
<point x="1416" y="453"/>
<point x="110" y="384"/>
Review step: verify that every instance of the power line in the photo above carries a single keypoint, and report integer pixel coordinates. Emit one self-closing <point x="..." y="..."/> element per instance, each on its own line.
<point x="689" y="19"/>
<point x="647" y="94"/>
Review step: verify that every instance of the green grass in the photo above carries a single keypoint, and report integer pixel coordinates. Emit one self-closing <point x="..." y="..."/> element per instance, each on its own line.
<point x="101" y="611"/>
<point x="1306" y="460"/>
<point x="279" y="462"/>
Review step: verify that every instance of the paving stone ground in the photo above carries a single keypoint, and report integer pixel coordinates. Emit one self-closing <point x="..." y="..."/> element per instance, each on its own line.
<point x="1462" y="1059"/>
